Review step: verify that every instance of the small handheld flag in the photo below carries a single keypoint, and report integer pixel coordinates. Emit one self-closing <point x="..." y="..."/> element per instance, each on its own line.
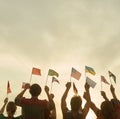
<point x="75" y="74"/>
<point x="55" y="80"/>
<point x="90" y="70"/>
<point x="36" y="71"/>
<point x="51" y="72"/>
<point x="8" y="88"/>
<point x="104" y="80"/>
<point x="23" y="85"/>
<point x="90" y="82"/>
<point x="112" y="75"/>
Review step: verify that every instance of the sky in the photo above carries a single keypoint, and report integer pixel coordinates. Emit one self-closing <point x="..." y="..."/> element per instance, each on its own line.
<point x="59" y="35"/>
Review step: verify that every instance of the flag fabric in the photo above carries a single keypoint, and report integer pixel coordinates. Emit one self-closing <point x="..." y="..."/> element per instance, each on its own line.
<point x="104" y="80"/>
<point x="112" y="75"/>
<point x="51" y="72"/>
<point x="23" y="85"/>
<point x="55" y="80"/>
<point x="75" y="74"/>
<point x="90" y="70"/>
<point x="90" y="82"/>
<point x="8" y="88"/>
<point x="36" y="71"/>
<point x="75" y="89"/>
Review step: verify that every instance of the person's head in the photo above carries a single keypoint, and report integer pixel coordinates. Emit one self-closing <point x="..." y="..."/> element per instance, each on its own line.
<point x="107" y="110"/>
<point x="75" y="103"/>
<point x="35" y="90"/>
<point x="11" y="108"/>
<point x="115" y="102"/>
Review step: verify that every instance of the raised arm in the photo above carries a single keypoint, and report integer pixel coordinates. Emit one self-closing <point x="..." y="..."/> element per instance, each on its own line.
<point x="63" y="99"/>
<point x="103" y="94"/>
<point x="89" y="103"/>
<point x="47" y="92"/>
<point x="86" y="96"/>
<point x="112" y="89"/>
<point x="95" y="109"/>
<point x="20" y="95"/>
<point x="51" y="102"/>
<point x="3" y="107"/>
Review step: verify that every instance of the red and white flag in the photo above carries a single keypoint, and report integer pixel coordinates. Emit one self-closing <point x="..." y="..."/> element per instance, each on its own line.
<point x="36" y="71"/>
<point x="104" y="80"/>
<point x="8" y="88"/>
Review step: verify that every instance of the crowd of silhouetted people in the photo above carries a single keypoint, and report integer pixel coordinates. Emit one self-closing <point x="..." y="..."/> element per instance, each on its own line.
<point x="35" y="108"/>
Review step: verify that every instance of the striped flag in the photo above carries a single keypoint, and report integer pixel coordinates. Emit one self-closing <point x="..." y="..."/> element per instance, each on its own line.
<point x="55" y="80"/>
<point x="90" y="70"/>
<point x="8" y="88"/>
<point x="75" y="74"/>
<point x="104" y="80"/>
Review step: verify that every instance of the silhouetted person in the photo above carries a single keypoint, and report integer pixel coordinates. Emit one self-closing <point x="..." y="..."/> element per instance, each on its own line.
<point x="33" y="108"/>
<point x="76" y="111"/>
<point x="10" y="109"/>
<point x="52" y="104"/>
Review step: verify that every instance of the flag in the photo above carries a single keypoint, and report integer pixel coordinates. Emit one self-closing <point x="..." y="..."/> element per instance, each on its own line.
<point x="8" y="88"/>
<point x="75" y="74"/>
<point x="75" y="89"/>
<point x="36" y="71"/>
<point x="90" y="82"/>
<point x="55" y="80"/>
<point x="23" y="85"/>
<point x="112" y="75"/>
<point x="90" y="70"/>
<point x="104" y="80"/>
<point x="52" y="73"/>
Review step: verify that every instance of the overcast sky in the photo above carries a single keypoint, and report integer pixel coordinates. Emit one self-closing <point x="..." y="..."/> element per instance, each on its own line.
<point x="59" y="35"/>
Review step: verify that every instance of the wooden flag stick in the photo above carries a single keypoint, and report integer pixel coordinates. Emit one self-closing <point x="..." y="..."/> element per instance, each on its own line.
<point x="110" y="80"/>
<point x="101" y="85"/>
<point x="46" y="80"/>
<point x="30" y="77"/>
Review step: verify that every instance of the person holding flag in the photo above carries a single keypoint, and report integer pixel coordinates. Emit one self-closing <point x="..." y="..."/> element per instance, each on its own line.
<point x="33" y="108"/>
<point x="52" y="106"/>
<point x="115" y="102"/>
<point x="10" y="108"/>
<point x="76" y="111"/>
<point x="106" y="110"/>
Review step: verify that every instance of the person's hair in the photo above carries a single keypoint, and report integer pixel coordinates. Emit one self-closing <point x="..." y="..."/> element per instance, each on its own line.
<point x="107" y="110"/>
<point x="75" y="103"/>
<point x="11" y="108"/>
<point x="35" y="90"/>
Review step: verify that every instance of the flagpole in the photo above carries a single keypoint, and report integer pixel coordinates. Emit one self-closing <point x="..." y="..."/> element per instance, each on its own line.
<point x="51" y="86"/>
<point x="110" y="80"/>
<point x="85" y="74"/>
<point x="46" y="80"/>
<point x="70" y="78"/>
<point x="101" y="85"/>
<point x="30" y="77"/>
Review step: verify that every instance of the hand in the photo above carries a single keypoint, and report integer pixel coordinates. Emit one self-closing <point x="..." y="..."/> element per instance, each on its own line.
<point x="86" y="96"/>
<point x="87" y="86"/>
<point x="27" y="86"/>
<point x="68" y="85"/>
<point x="103" y="94"/>
<point x="5" y="100"/>
<point x="46" y="89"/>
